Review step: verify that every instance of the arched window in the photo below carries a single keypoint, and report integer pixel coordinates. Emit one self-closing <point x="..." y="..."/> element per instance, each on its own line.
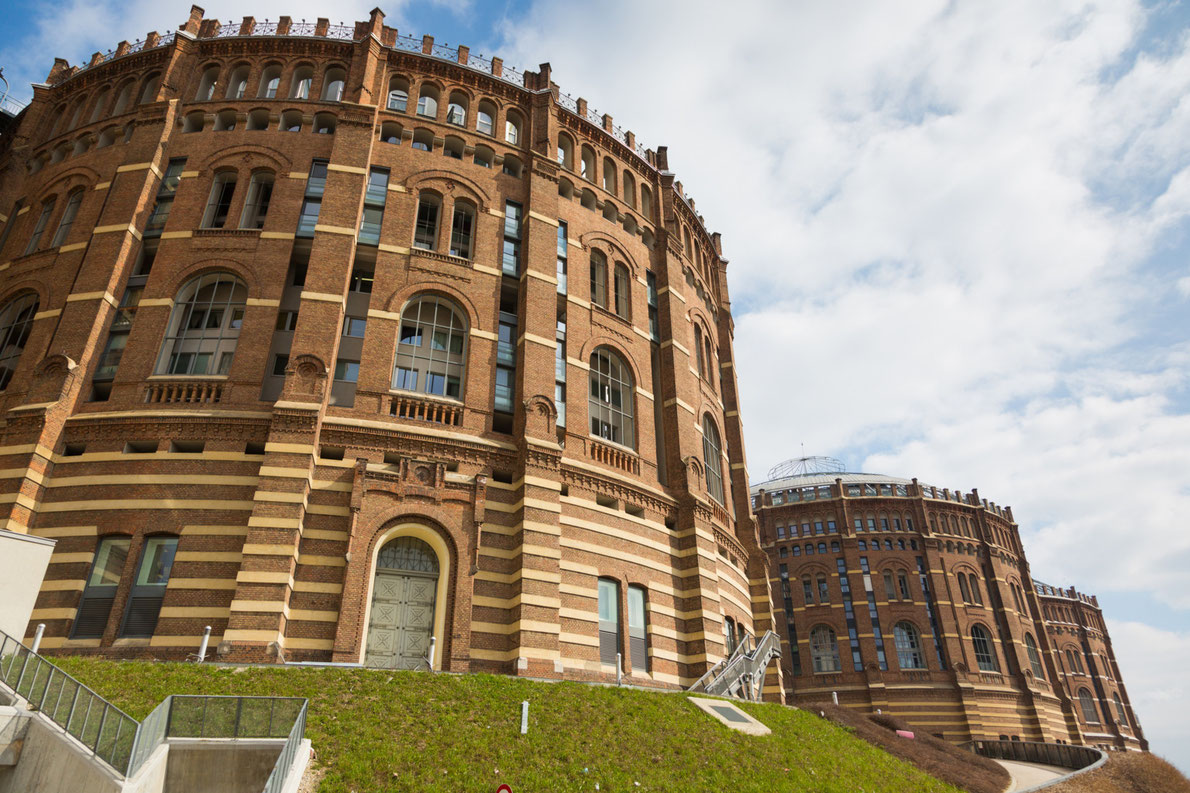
<point x="270" y="81"/>
<point x="425" y="228"/>
<point x="985" y="654"/>
<point x="565" y="151"/>
<point x="1034" y="656"/>
<point x="711" y="453"/>
<point x="609" y="620"/>
<point x="698" y="350"/>
<point x="908" y="642"/>
<point x="485" y="123"/>
<point x="966" y="593"/>
<point x="453" y="146"/>
<point x="711" y="369"/>
<point x="598" y="278"/>
<point x="77" y="115"/>
<point x="390" y="132"/>
<point x="484" y="156"/>
<point x="462" y="230"/>
<point x="291" y="121"/>
<point x="256" y="207"/>
<point x="99" y="105"/>
<point x="609" y="175"/>
<point x="237" y="84"/>
<point x="299" y="86"/>
<point x="332" y="85"/>
<point x="152" y="86"/>
<point x="194" y="122"/>
<point x="646" y="202"/>
<point x="206" y="84"/>
<point x="1121" y="716"/>
<point x="427" y="102"/>
<point x="16" y="322"/>
<point x="623" y="291"/>
<point x="398" y="94"/>
<point x="324" y="123"/>
<point x="68" y="215"/>
<point x="123" y="98"/>
<point x="456" y="109"/>
<point x="258" y="119"/>
<point x="587" y="163"/>
<point x="629" y="190"/>
<point x="431" y="348"/>
<point x="423" y="140"/>
<point x="225" y="121"/>
<point x="611" y="399"/>
<point x="512" y="166"/>
<point x="204" y="326"/>
<point x="1086" y="701"/>
<point x="512" y="129"/>
<point x="99" y="590"/>
<point x="223" y="187"/>
<point x="824" y="650"/>
<point x="976" y="594"/>
<point x="148" y="588"/>
<point x="43" y="219"/>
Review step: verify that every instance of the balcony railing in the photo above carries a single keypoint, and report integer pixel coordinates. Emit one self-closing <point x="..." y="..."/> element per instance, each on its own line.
<point x="185" y="392"/>
<point x="613" y="456"/>
<point x="412" y="407"/>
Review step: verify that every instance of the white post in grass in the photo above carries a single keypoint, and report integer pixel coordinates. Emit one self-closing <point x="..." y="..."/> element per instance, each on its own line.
<point x="835" y="697"/>
<point x="619" y="669"/>
<point x="37" y="636"/>
<point x="202" y="648"/>
<point x="433" y="641"/>
<point x="524" y="717"/>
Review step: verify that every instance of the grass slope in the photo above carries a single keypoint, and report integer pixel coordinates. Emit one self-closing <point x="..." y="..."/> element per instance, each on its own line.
<point x="411" y="731"/>
<point x="1131" y="772"/>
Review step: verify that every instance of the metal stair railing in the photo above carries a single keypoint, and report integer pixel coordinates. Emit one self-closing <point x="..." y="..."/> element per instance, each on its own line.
<point x="742" y="673"/>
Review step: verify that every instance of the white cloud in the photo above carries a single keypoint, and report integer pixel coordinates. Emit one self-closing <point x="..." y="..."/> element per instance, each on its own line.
<point x="1158" y="658"/>
<point x="941" y="220"/>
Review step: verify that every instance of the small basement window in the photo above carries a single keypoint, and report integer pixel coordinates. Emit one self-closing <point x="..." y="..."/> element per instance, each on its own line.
<point x="140" y="447"/>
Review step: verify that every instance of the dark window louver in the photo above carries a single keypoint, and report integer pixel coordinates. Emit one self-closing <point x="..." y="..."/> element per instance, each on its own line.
<point x="638" y="649"/>
<point x="142" y="616"/>
<point x="608" y="647"/>
<point x="92" y="617"/>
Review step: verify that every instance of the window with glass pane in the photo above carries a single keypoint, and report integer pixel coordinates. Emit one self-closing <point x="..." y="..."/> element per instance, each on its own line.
<point x="1086" y="701"/>
<point x="347" y="371"/>
<point x="308" y="218"/>
<point x="260" y="194"/>
<point x="609" y="620"/>
<point x="506" y="340"/>
<point x="1034" y="656"/>
<point x="369" y="225"/>
<point x="712" y="457"/>
<point x="611" y="400"/>
<point x="908" y="642"/>
<point x="427" y="105"/>
<point x="823" y="591"/>
<point x="985" y="655"/>
<point x="903" y="586"/>
<point x="377" y="189"/>
<point x="156" y="561"/>
<point x="598" y="279"/>
<point x="204" y="327"/>
<point x="398" y="94"/>
<point x="438" y="365"/>
<point x="461" y="230"/>
<point x="355" y="327"/>
<point x="43" y="219"/>
<point x="1121" y="715"/>
<point x="484" y="122"/>
<point x="425" y="231"/>
<point x="219" y="203"/>
<point x="109" y="562"/>
<point x="16" y="323"/>
<point x="824" y="650"/>
<point x="68" y="214"/>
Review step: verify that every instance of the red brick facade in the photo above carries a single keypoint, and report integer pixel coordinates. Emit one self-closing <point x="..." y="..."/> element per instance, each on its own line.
<point x="933" y="613"/>
<point x="273" y="435"/>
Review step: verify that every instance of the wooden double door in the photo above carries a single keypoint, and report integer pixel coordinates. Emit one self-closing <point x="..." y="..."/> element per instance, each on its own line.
<point x="402" y="615"/>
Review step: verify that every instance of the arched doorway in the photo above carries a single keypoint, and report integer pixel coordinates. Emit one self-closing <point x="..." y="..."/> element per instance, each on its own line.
<point x="401" y="617"/>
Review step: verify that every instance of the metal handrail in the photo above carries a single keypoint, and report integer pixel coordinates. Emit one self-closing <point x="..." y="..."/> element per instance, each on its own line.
<point x="1080" y="759"/>
<point x="123" y="743"/>
<point x="746" y="664"/>
<point x="108" y="732"/>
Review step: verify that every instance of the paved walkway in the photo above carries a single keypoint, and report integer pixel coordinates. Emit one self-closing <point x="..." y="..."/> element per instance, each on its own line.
<point x="1026" y="775"/>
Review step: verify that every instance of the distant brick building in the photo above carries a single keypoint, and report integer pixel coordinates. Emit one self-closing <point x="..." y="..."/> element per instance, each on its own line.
<point x="918" y="600"/>
<point x="342" y="342"/>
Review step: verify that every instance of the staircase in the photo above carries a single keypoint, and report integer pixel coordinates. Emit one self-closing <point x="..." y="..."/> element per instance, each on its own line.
<point x="741" y="674"/>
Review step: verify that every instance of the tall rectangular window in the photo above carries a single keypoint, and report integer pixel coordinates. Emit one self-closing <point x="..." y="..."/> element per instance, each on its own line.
<point x="598" y="279"/>
<point x="609" y="620"/>
<point x="148" y="590"/>
<point x="47" y="208"/>
<point x="425" y="232"/>
<point x="375" y="195"/>
<point x="99" y="592"/>
<point x="654" y="320"/>
<point x="219" y="203"/>
<point x="511" y="253"/>
<point x="462" y="230"/>
<point x="68" y="214"/>
<point x="260" y="194"/>
<point x="563" y="249"/>
<point x="12" y="221"/>
<point x="638" y="645"/>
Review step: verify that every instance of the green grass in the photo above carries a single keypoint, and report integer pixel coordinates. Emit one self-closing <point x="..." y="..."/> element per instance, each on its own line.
<point x="412" y="731"/>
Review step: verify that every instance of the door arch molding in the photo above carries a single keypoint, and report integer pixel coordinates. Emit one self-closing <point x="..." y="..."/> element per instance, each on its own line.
<point x="420" y="531"/>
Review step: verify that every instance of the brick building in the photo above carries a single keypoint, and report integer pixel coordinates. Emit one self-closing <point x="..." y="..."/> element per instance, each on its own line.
<point x="918" y="600"/>
<point x="358" y="348"/>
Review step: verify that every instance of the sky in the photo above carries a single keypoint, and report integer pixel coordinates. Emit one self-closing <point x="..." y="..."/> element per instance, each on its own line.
<point x="957" y="233"/>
